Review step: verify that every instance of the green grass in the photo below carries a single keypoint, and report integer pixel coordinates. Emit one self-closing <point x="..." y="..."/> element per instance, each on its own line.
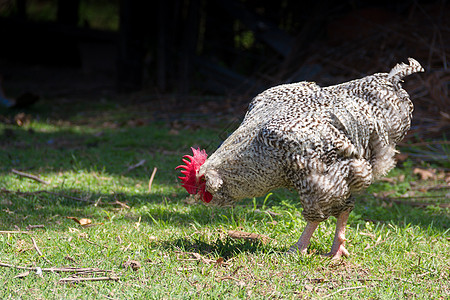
<point x="398" y="251"/>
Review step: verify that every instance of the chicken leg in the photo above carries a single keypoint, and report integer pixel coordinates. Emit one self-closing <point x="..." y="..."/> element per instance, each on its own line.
<point x="302" y="245"/>
<point x="338" y="249"/>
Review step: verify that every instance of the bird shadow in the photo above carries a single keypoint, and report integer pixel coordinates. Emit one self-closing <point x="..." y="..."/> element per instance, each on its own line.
<point x="226" y="248"/>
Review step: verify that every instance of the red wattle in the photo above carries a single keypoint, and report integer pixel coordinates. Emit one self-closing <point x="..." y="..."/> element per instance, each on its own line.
<point x="207" y="197"/>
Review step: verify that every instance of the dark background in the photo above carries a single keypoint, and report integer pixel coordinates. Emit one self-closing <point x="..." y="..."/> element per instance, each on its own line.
<point x="190" y="49"/>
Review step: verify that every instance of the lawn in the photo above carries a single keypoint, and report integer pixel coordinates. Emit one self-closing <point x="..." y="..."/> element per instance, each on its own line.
<point x="97" y="227"/>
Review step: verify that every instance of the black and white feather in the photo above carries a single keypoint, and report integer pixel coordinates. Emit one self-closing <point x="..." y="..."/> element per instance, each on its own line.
<point x="326" y="142"/>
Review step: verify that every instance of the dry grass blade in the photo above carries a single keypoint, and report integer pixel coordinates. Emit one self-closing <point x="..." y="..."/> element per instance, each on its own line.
<point x="39" y="251"/>
<point x="13" y="232"/>
<point x="150" y="182"/>
<point x="346" y="289"/>
<point x="227" y="278"/>
<point x="22" y="275"/>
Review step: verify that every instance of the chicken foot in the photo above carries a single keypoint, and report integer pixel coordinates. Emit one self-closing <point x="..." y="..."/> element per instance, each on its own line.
<point x="338" y="249"/>
<point x="302" y="245"/>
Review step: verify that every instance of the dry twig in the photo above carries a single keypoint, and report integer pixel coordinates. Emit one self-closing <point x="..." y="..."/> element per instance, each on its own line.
<point x="13" y="232"/>
<point x="130" y="168"/>
<point x="53" y="269"/>
<point x="29" y="176"/>
<point x="150" y="182"/>
<point x="37" y="250"/>
<point x="78" y="279"/>
<point x="30" y="227"/>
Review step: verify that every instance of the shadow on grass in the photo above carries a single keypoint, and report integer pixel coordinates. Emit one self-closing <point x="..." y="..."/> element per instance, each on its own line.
<point x="52" y="206"/>
<point x="222" y="247"/>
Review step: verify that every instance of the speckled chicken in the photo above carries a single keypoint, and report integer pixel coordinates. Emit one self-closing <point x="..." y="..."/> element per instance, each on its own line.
<point x="326" y="142"/>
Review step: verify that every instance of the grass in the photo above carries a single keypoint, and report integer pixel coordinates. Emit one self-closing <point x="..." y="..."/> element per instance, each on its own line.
<point x="398" y="251"/>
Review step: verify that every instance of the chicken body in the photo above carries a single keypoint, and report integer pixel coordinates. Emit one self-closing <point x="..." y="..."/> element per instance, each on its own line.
<point x="327" y="143"/>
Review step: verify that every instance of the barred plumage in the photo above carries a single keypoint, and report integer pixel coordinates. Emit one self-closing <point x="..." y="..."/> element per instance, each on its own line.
<point x="327" y="143"/>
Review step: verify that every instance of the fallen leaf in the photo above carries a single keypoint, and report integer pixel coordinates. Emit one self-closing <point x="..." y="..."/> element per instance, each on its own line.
<point x="219" y="261"/>
<point x="134" y="264"/>
<point x="401" y="157"/>
<point x="425" y="174"/>
<point x="236" y="234"/>
<point x="82" y="221"/>
<point x="92" y="224"/>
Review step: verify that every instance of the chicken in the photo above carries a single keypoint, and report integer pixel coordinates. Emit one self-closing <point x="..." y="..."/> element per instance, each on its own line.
<point x="327" y="143"/>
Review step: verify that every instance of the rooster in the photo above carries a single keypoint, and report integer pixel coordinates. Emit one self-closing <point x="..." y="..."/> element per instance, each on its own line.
<point x="327" y="143"/>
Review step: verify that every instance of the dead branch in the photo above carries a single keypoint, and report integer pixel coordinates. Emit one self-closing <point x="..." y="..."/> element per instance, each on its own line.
<point x="29" y="176"/>
<point x="13" y="232"/>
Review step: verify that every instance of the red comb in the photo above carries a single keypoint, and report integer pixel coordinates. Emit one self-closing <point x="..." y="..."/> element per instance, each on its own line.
<point x="189" y="182"/>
